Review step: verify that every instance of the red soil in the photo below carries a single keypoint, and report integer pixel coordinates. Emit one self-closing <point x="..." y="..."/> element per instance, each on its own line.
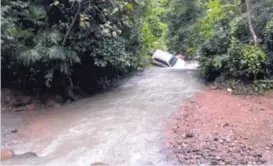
<point x="216" y="127"/>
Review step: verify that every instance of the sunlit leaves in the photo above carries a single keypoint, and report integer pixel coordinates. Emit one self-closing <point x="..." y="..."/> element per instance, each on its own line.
<point x="84" y="21"/>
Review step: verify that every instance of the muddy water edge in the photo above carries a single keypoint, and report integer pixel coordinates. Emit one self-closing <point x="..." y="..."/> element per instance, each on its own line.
<point x="119" y="127"/>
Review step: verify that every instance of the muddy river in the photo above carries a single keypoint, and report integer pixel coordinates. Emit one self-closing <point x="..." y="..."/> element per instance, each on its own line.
<point x="120" y="127"/>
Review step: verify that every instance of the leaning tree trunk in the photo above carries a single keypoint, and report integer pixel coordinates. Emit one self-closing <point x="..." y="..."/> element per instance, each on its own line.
<point x="254" y="36"/>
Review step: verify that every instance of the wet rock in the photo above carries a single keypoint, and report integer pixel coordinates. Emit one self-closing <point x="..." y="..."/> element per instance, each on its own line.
<point x="14" y="131"/>
<point x="26" y="155"/>
<point x="99" y="163"/>
<point x="6" y="154"/>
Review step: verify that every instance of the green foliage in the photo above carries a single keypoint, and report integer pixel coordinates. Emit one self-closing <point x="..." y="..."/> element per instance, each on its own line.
<point x="228" y="49"/>
<point x="218" y="31"/>
<point x="251" y="62"/>
<point x="60" y="46"/>
<point x="183" y="35"/>
<point x="214" y="14"/>
<point x="154" y="30"/>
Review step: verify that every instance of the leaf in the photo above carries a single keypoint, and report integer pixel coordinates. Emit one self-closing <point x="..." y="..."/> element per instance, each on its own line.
<point x="30" y="55"/>
<point x="55" y="3"/>
<point x="115" y="10"/>
<point x="114" y="33"/>
<point x="56" y="52"/>
<point x="130" y="6"/>
<point x="52" y="36"/>
<point x="35" y="14"/>
<point x="73" y="56"/>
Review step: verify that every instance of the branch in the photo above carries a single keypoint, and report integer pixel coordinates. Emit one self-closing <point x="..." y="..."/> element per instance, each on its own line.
<point x="72" y="24"/>
<point x="254" y="36"/>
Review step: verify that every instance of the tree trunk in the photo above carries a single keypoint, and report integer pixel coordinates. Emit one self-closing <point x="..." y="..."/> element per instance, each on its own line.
<point x="254" y="36"/>
<point x="72" y="23"/>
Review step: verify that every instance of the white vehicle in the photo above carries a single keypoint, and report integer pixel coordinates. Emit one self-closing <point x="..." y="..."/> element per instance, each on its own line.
<point x="165" y="59"/>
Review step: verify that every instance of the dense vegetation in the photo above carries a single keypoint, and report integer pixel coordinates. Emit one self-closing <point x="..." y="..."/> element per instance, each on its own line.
<point x="74" y="46"/>
<point x="68" y="46"/>
<point x="234" y="38"/>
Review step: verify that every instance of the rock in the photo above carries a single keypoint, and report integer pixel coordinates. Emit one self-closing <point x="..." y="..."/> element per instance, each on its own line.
<point x="267" y="155"/>
<point x="228" y="140"/>
<point x="14" y="131"/>
<point x="218" y="158"/>
<point x="229" y="89"/>
<point x="226" y="125"/>
<point x="99" y="163"/>
<point x="213" y="87"/>
<point x="6" y="154"/>
<point x="26" y="155"/>
<point x="215" y="139"/>
<point x="188" y="135"/>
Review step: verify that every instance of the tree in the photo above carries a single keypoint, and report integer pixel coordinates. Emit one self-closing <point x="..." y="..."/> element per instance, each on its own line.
<point x="183" y="26"/>
<point x="250" y="22"/>
<point x="63" y="45"/>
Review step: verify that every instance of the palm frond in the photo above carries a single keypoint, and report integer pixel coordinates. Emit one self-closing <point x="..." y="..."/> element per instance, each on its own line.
<point x="31" y="55"/>
<point x="53" y="37"/>
<point x="73" y="57"/>
<point x="35" y="14"/>
<point x="55" y="53"/>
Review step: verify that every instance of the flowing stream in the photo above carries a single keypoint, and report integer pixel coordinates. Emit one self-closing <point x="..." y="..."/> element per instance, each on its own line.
<point x="120" y="127"/>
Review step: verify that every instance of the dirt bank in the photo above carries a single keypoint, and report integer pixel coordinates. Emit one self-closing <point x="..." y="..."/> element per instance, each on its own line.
<point x="17" y="101"/>
<point x="218" y="128"/>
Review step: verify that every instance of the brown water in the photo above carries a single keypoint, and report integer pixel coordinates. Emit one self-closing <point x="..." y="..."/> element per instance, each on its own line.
<point x="120" y="127"/>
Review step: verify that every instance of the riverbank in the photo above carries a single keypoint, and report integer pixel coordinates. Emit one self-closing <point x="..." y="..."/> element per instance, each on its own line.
<point x="218" y="128"/>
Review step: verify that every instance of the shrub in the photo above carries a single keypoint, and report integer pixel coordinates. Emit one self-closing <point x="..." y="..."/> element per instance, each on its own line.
<point x="62" y="45"/>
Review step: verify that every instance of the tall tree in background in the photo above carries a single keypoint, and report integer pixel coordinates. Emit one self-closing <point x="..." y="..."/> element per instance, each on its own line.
<point x="183" y="26"/>
<point x="154" y="29"/>
<point x="247" y="2"/>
